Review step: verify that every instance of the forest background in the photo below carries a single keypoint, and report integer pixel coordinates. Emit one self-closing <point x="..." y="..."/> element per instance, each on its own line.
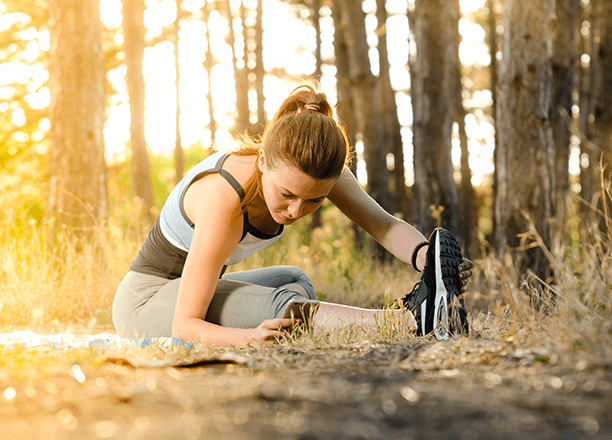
<point x="489" y="118"/>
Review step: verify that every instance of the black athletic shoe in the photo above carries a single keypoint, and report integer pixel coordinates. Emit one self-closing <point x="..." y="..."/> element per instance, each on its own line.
<point x="436" y="300"/>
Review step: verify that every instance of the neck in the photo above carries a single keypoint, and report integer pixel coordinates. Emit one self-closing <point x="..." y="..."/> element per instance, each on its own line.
<point x="260" y="218"/>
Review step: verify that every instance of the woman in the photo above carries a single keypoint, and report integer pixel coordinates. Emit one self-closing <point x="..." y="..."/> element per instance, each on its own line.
<point x="228" y="207"/>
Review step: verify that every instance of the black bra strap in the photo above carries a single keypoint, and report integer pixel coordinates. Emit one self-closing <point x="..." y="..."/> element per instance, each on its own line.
<point x="232" y="181"/>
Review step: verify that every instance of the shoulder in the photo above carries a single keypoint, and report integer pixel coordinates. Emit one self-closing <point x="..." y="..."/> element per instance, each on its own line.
<point x="212" y="195"/>
<point x="241" y="167"/>
<point x="346" y="185"/>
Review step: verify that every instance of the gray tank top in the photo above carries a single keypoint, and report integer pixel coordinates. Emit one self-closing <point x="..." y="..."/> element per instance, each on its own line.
<point x="165" y="249"/>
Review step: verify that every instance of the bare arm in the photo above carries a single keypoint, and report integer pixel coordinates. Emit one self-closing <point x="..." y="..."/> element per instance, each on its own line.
<point x="210" y="204"/>
<point x="395" y="235"/>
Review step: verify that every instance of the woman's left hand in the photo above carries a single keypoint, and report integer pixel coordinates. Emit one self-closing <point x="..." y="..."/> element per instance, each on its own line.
<point x="465" y="273"/>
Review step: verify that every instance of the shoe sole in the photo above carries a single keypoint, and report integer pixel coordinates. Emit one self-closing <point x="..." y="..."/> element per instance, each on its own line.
<point x="447" y="257"/>
<point x="440" y="324"/>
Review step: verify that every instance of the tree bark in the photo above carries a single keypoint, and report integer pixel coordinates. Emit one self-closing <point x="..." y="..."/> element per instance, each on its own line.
<point x="77" y="184"/>
<point x="315" y="7"/>
<point x="493" y="70"/>
<point x="467" y="197"/>
<point x="208" y="65"/>
<point x="134" y="43"/>
<point x="346" y="108"/>
<point x="179" y="157"/>
<point x="525" y="168"/>
<point x="602" y="87"/>
<point x="368" y="115"/>
<point x="259" y="71"/>
<point x="589" y="151"/>
<point x="467" y="203"/>
<point x="392" y="136"/>
<point x="434" y="110"/>
<point x="240" y="69"/>
<point x="564" y="65"/>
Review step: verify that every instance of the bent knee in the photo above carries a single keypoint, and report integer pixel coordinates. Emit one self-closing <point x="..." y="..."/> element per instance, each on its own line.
<point x="303" y="281"/>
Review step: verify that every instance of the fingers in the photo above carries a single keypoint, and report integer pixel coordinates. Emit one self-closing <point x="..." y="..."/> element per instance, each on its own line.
<point x="278" y="323"/>
<point x="465" y="265"/>
<point x="270" y="328"/>
<point x="465" y="273"/>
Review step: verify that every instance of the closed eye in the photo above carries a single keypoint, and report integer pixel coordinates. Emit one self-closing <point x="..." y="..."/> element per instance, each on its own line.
<point x="292" y="196"/>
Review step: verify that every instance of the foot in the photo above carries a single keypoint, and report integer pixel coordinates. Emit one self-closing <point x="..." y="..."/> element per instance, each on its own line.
<point x="436" y="300"/>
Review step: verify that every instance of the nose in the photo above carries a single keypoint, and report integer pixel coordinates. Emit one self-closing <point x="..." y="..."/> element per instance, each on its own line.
<point x="295" y="208"/>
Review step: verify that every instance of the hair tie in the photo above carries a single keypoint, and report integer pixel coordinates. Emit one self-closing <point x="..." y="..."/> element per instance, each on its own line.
<point x="314" y="106"/>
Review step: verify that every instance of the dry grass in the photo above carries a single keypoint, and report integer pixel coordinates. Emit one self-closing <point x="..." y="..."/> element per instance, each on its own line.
<point x="66" y="285"/>
<point x="521" y="371"/>
<point x="61" y="289"/>
<point x="578" y="304"/>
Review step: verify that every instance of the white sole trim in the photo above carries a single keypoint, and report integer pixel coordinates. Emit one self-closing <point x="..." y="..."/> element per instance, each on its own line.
<point x="441" y="297"/>
<point x="423" y="316"/>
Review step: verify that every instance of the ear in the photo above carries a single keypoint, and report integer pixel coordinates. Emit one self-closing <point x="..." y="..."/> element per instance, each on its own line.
<point x="261" y="160"/>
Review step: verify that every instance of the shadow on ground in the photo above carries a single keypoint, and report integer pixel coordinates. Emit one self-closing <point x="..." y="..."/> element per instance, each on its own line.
<point x="459" y="389"/>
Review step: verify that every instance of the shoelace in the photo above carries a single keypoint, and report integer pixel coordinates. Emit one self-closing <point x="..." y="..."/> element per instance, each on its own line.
<point x="404" y="300"/>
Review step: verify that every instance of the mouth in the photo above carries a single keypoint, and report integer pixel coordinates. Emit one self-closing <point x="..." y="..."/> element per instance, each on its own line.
<point x="286" y="218"/>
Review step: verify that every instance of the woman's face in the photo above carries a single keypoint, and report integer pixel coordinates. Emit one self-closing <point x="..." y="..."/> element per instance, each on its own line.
<point x="289" y="193"/>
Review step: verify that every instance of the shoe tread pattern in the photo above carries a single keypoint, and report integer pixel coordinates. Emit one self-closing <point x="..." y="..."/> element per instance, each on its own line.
<point x="451" y="257"/>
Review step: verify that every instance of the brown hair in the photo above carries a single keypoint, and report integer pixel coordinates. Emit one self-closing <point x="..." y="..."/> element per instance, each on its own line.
<point x="303" y="133"/>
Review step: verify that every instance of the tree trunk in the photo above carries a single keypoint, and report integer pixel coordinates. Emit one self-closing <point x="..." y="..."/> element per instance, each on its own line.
<point x="602" y="92"/>
<point x="346" y="108"/>
<point x="240" y="69"/>
<point x="179" y="157"/>
<point x="467" y="197"/>
<point x="392" y="136"/>
<point x="526" y="148"/>
<point x="315" y="5"/>
<point x="493" y="70"/>
<point x="208" y="65"/>
<point x="77" y="183"/>
<point x="134" y="43"/>
<point x="564" y="63"/>
<point x="434" y="109"/>
<point x="468" y="212"/>
<point x="316" y="24"/>
<point x="259" y="71"/>
<point x="589" y="151"/>
<point x="367" y="111"/>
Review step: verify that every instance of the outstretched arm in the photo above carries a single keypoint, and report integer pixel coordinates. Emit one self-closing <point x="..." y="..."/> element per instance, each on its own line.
<point x="394" y="234"/>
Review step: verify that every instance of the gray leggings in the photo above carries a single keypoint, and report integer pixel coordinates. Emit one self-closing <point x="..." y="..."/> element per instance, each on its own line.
<point x="144" y="304"/>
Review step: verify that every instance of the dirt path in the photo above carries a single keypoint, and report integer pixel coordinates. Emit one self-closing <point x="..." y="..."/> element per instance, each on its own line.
<point x="465" y="388"/>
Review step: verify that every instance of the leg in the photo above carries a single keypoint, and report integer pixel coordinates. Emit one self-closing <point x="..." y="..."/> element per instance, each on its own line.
<point x="330" y="316"/>
<point x="144" y="304"/>
<point x="276" y="277"/>
<point x="244" y="305"/>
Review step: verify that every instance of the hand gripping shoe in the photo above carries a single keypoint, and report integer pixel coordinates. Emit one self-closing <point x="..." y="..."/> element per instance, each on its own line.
<point x="436" y="300"/>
